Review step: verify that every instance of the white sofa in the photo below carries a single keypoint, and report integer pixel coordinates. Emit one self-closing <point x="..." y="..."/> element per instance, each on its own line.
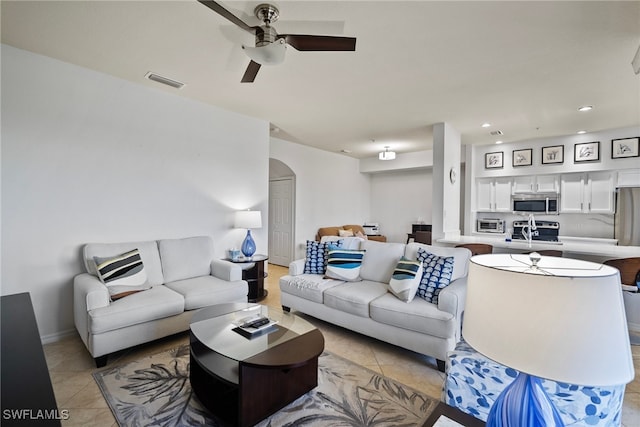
<point x="367" y="307"/>
<point x="183" y="275"/>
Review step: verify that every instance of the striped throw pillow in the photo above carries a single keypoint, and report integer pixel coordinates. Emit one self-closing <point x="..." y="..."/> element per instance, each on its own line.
<point x="405" y="279"/>
<point x="436" y="275"/>
<point x="122" y="274"/>
<point x="344" y="264"/>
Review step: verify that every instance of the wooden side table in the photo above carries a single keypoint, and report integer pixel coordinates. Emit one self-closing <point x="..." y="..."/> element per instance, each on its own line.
<point x="253" y="272"/>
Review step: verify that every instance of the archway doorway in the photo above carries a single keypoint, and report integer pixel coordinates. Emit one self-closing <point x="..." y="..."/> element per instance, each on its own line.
<point x="281" y="213"/>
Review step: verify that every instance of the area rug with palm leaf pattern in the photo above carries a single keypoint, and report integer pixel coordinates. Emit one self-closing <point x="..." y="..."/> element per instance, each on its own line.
<point x="155" y="391"/>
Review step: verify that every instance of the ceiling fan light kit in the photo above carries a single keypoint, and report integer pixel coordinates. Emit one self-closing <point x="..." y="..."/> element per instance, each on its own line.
<point x="386" y="154"/>
<point x="270" y="46"/>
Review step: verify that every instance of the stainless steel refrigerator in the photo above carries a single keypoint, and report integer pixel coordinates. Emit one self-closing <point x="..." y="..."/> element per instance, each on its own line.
<point x="627" y="217"/>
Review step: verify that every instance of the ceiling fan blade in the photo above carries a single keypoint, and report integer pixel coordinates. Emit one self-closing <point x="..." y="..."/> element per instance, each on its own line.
<point x="250" y="73"/>
<point x="216" y="7"/>
<point x="318" y="43"/>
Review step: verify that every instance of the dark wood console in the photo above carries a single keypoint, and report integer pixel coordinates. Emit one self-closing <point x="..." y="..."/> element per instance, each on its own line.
<point x="27" y="393"/>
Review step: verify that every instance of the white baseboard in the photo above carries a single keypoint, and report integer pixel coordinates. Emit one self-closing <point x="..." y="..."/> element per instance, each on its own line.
<point x="47" y="339"/>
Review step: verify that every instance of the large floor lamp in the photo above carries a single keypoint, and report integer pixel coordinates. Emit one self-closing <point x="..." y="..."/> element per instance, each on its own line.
<point x="546" y="317"/>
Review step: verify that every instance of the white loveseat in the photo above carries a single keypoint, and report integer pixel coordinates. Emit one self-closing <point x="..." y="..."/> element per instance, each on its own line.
<point x="368" y="308"/>
<point x="183" y="276"/>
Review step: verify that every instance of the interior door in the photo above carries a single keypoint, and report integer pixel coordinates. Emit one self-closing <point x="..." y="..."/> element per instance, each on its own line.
<point x="281" y="210"/>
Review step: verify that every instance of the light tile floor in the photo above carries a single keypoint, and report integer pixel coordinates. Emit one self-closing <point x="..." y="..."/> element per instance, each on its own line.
<point x="71" y="366"/>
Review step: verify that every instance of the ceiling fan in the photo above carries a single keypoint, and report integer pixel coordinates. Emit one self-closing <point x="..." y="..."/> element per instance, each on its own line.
<point x="270" y="46"/>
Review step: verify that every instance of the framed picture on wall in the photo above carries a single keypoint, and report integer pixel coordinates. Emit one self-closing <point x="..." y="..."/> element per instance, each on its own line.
<point x="553" y="155"/>
<point x="522" y="157"/>
<point x="586" y="152"/>
<point x="627" y="147"/>
<point x="494" y="160"/>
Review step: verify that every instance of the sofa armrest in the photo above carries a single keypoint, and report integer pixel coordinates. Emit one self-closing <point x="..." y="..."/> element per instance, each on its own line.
<point x="89" y="292"/>
<point x="452" y="300"/>
<point x="296" y="267"/>
<point x="226" y="270"/>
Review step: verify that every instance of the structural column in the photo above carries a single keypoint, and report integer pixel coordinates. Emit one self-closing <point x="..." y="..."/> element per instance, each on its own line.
<point x="445" y="205"/>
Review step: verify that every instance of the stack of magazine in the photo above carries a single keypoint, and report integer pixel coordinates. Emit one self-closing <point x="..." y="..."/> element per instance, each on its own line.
<point x="255" y="326"/>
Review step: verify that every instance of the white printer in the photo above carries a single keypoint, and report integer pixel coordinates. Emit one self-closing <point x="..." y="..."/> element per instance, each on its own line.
<point x="371" y="229"/>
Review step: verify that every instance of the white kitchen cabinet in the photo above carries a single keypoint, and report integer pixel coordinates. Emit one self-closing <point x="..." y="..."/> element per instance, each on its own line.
<point x="535" y="184"/>
<point x="587" y="192"/>
<point x="493" y="195"/>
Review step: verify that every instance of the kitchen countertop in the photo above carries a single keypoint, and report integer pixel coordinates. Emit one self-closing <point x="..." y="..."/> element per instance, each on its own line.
<point x="604" y="248"/>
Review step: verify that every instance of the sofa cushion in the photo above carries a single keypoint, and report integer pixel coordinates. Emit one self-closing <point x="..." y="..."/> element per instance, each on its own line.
<point x="405" y="279"/>
<point x="186" y="258"/>
<point x="203" y="291"/>
<point x="148" y="252"/>
<point x="122" y="274"/>
<point x="346" y="233"/>
<point x="418" y="315"/>
<point x="344" y="264"/>
<point x="380" y="260"/>
<point x="354" y="297"/>
<point x="156" y="303"/>
<point x="344" y="242"/>
<point x="307" y="286"/>
<point x="436" y="275"/>
<point x="461" y="256"/>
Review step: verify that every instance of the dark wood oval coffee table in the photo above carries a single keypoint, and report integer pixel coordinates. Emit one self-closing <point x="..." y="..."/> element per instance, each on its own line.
<point x="244" y="380"/>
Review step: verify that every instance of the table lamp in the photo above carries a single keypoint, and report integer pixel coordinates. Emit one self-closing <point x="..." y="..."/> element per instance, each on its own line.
<point x="248" y="219"/>
<point x="546" y="317"/>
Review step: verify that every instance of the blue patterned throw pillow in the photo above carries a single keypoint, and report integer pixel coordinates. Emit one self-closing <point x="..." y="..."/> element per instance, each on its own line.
<point x="405" y="279"/>
<point x="344" y="264"/>
<point x="436" y="275"/>
<point x="317" y="255"/>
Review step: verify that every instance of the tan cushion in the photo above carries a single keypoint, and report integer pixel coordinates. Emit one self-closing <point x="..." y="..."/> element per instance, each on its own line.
<point x="354" y="227"/>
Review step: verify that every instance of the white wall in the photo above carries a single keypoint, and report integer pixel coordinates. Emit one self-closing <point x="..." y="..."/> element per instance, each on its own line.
<point x="87" y="157"/>
<point x="329" y="189"/>
<point x="399" y="199"/>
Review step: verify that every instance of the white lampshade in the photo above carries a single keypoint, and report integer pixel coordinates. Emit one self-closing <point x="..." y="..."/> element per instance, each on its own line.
<point x="248" y="219"/>
<point x="270" y="54"/>
<point x="563" y="321"/>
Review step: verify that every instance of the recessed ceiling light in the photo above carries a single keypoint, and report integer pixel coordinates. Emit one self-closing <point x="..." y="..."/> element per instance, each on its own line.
<point x="345" y="151"/>
<point x="498" y="142"/>
<point x="486" y="125"/>
<point x="586" y="108"/>
<point x="580" y="132"/>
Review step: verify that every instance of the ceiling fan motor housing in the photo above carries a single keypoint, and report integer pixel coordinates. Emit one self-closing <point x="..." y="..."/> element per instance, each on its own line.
<point x="265" y="35"/>
<point x="268" y="14"/>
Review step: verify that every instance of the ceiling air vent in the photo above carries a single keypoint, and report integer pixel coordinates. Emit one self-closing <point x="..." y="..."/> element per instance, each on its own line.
<point x="497" y="132"/>
<point x="164" y="80"/>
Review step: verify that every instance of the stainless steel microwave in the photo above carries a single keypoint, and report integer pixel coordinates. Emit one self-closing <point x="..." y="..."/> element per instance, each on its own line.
<point x="537" y="203"/>
<point x="490" y="225"/>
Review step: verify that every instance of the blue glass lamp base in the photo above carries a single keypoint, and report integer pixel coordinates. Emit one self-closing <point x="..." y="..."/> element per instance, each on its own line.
<point x="248" y="246"/>
<point x="524" y="403"/>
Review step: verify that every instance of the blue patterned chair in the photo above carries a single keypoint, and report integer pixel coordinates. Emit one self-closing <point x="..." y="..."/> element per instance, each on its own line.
<point x="473" y="382"/>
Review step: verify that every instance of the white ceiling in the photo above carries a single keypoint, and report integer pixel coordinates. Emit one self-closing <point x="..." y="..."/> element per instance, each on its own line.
<point x="524" y="67"/>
